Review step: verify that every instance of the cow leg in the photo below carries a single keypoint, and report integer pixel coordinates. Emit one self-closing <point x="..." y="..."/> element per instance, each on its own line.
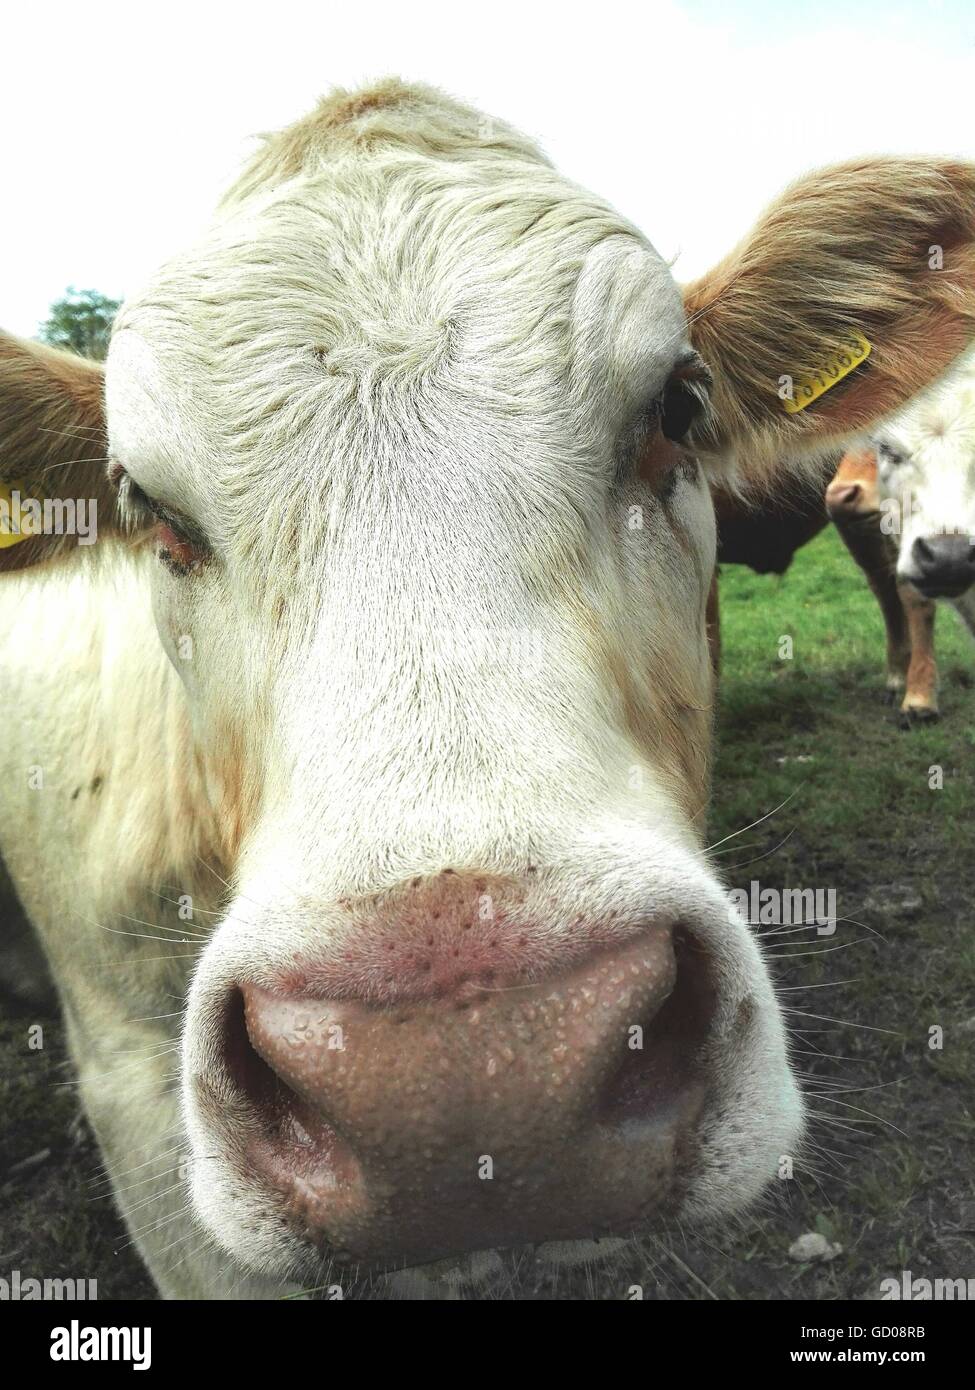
<point x="873" y="553"/>
<point x="921" y="696"/>
<point x="713" y="623"/>
<point x="965" y="608"/>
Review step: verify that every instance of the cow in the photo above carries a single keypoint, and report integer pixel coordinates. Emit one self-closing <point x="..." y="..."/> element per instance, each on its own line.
<point x="357" y="775"/>
<point x="853" y="502"/>
<point x="765" y="533"/>
<point x="766" y="536"/>
<point x="925" y="460"/>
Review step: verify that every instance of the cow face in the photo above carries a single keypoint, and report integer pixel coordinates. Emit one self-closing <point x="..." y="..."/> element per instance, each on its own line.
<point x="415" y="441"/>
<point x="926" y="463"/>
<point x="432" y="556"/>
<point x="853" y="492"/>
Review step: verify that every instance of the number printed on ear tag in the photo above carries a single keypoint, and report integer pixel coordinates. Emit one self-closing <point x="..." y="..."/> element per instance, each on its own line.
<point x="807" y="389"/>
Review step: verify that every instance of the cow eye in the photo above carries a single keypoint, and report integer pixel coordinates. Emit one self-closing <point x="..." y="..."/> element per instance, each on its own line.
<point x="889" y="455"/>
<point x="180" y="545"/>
<point x="680" y="408"/>
<point x="685" y="399"/>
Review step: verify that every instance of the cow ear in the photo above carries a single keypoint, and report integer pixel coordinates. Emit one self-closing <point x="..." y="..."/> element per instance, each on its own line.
<point x="854" y="291"/>
<point x="54" y="487"/>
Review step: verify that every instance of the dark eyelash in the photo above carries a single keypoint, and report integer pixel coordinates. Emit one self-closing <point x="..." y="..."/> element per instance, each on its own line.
<point x="892" y="455"/>
<point x="133" y="503"/>
<point x="138" y="507"/>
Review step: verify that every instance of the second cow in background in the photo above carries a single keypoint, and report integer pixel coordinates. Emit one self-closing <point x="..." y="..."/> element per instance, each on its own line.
<point x="766" y="538"/>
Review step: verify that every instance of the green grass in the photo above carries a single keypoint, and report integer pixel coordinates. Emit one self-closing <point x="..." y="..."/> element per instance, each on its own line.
<point x="860" y="817"/>
<point x="866" y="779"/>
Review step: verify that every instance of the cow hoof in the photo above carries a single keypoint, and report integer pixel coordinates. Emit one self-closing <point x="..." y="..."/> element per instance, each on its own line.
<point x="893" y="692"/>
<point x="918" y="714"/>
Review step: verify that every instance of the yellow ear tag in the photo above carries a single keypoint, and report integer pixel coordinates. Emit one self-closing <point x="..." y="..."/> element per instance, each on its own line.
<point x="855" y="350"/>
<point x="21" y="512"/>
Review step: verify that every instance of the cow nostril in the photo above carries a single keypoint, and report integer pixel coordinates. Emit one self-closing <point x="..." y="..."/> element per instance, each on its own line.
<point x="664" y="1065"/>
<point x="924" y="553"/>
<point x="843" y="497"/>
<point x="366" y="1117"/>
<point x="291" y="1142"/>
<point x="251" y="1074"/>
<point x="943" y="565"/>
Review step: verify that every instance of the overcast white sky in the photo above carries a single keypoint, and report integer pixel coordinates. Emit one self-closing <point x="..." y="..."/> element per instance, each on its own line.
<point x="122" y="123"/>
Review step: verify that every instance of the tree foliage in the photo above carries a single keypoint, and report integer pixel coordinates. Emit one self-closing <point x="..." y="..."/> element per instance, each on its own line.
<point x="81" y="321"/>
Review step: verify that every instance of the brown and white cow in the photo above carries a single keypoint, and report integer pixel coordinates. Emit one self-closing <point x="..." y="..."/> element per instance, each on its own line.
<point x="853" y="502"/>
<point x="765" y="535"/>
<point x="356" y="780"/>
<point x="926" y="491"/>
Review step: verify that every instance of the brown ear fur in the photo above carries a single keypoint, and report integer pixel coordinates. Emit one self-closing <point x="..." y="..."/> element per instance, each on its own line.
<point x="843" y="250"/>
<point x="52" y="436"/>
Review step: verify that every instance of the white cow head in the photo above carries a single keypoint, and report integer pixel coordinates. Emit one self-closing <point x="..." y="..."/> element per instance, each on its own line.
<point x="926" y="478"/>
<point x="416" y="436"/>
